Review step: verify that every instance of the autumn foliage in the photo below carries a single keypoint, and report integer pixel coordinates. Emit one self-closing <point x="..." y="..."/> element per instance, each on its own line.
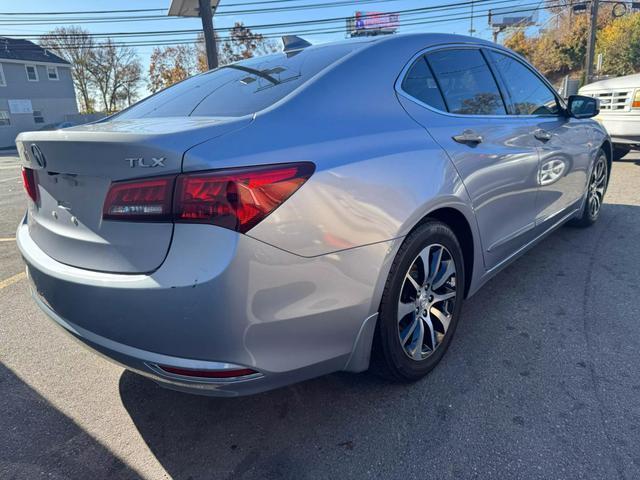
<point x="560" y="49"/>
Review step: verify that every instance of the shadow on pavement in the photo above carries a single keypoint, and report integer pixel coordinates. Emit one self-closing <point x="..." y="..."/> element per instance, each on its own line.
<point x="37" y="440"/>
<point x="519" y="394"/>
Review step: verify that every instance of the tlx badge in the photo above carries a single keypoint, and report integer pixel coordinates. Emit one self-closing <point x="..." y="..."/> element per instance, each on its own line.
<point x="140" y="162"/>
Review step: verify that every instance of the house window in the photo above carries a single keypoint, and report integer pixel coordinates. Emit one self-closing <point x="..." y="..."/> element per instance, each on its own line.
<point x="3" y="82"/>
<point x="4" y="118"/>
<point x="37" y="116"/>
<point x="52" y="73"/>
<point x="32" y="73"/>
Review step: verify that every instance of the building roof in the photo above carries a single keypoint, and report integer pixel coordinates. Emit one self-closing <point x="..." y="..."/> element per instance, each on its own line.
<point x="26" y="51"/>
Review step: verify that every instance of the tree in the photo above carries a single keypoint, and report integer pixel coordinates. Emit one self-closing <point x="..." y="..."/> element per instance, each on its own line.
<point x="116" y="73"/>
<point x="75" y="45"/>
<point x="172" y="64"/>
<point x="242" y="43"/>
<point x="619" y="42"/>
<point x="518" y="42"/>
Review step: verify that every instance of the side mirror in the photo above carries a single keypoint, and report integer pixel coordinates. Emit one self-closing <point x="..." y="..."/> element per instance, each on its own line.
<point x="580" y="106"/>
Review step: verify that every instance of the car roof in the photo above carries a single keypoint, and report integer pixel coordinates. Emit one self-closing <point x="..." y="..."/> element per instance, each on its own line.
<point x="410" y="39"/>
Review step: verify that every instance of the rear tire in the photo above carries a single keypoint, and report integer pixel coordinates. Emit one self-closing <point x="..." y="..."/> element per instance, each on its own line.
<point x="596" y="190"/>
<point x="419" y="315"/>
<point x="619" y="152"/>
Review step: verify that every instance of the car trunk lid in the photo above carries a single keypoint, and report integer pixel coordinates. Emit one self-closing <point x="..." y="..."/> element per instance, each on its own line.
<point x="74" y="169"/>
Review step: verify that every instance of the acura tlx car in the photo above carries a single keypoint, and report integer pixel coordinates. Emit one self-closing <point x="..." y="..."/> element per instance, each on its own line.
<point x="321" y="209"/>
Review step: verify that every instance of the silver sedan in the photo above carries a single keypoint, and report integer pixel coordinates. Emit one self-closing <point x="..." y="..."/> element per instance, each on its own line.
<point x="325" y="208"/>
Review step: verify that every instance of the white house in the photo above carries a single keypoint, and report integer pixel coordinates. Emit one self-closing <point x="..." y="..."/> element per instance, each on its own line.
<point x="36" y="88"/>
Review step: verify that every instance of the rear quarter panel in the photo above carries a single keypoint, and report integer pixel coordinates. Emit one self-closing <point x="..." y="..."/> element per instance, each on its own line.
<point x="378" y="172"/>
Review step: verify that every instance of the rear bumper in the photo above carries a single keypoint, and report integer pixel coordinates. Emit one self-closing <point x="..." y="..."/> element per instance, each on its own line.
<point x="220" y="300"/>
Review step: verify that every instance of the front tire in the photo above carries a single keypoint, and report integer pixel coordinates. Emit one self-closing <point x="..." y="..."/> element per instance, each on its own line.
<point x="421" y="303"/>
<point x="595" y="193"/>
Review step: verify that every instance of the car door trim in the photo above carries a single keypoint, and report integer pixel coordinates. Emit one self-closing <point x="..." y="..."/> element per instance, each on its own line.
<point x="511" y="236"/>
<point x="529" y="244"/>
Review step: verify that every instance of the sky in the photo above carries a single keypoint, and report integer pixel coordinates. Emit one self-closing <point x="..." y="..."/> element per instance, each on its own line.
<point x="441" y="21"/>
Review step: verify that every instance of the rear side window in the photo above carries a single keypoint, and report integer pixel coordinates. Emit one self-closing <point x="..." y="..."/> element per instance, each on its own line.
<point x="467" y="84"/>
<point x="420" y="84"/>
<point x="529" y="95"/>
<point x="238" y="89"/>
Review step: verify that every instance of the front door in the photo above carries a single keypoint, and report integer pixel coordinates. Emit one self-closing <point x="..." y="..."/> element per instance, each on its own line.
<point x="564" y="152"/>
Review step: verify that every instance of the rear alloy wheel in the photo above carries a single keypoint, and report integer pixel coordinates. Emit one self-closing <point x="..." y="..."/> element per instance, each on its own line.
<point x="426" y="299"/>
<point x="421" y="303"/>
<point x="595" y="193"/>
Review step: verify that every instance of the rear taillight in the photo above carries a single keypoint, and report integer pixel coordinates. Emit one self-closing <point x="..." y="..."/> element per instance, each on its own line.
<point x="148" y="199"/>
<point x="237" y="198"/>
<point x="29" y="182"/>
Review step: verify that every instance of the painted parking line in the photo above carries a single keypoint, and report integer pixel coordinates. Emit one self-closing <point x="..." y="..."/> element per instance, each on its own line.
<point x="9" y="239"/>
<point x="11" y="280"/>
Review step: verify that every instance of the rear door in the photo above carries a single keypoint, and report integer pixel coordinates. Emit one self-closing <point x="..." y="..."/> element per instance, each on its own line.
<point x="563" y="142"/>
<point x="453" y="93"/>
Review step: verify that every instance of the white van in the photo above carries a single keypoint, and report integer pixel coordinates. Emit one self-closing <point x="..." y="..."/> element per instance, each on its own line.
<point x="619" y="110"/>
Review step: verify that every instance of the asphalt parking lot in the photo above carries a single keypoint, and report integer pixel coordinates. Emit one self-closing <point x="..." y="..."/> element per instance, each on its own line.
<point x="542" y="381"/>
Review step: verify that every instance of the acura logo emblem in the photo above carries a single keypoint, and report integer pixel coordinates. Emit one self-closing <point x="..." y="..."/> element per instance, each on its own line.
<point x="38" y="156"/>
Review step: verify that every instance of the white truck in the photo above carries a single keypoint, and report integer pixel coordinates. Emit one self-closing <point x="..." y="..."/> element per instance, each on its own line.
<point x="619" y="111"/>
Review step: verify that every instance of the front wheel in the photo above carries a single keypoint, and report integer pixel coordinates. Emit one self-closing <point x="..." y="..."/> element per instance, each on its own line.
<point x="421" y="303"/>
<point x="595" y="193"/>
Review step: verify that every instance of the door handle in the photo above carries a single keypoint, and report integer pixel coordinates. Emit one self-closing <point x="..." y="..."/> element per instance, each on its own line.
<point x="468" y="137"/>
<point x="542" y="135"/>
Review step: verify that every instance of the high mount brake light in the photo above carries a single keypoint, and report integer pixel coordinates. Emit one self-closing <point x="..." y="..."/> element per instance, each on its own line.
<point x="29" y="183"/>
<point x="236" y="198"/>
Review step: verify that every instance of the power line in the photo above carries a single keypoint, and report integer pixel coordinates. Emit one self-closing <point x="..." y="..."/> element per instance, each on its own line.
<point x="406" y="12"/>
<point x="88" y="20"/>
<point x="418" y="21"/>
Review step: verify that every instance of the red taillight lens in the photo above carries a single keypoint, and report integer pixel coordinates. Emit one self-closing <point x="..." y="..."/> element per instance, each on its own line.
<point x="237" y="199"/>
<point x="148" y="199"/>
<point x="29" y="182"/>
<point x="187" y="372"/>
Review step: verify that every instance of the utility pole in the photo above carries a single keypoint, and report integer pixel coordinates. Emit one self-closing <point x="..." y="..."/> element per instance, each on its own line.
<point x="591" y="41"/>
<point x="209" y="38"/>
<point x="203" y="9"/>
<point x="471" y="30"/>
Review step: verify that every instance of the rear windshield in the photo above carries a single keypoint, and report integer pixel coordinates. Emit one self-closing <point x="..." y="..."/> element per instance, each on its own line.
<point x="238" y="89"/>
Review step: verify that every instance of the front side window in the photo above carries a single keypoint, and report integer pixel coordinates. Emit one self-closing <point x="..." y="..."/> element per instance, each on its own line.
<point x="467" y="84"/>
<point x="420" y="84"/>
<point x="52" y="73"/>
<point x="37" y="116"/>
<point x="32" y="73"/>
<point x="4" y="118"/>
<point x="529" y="94"/>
